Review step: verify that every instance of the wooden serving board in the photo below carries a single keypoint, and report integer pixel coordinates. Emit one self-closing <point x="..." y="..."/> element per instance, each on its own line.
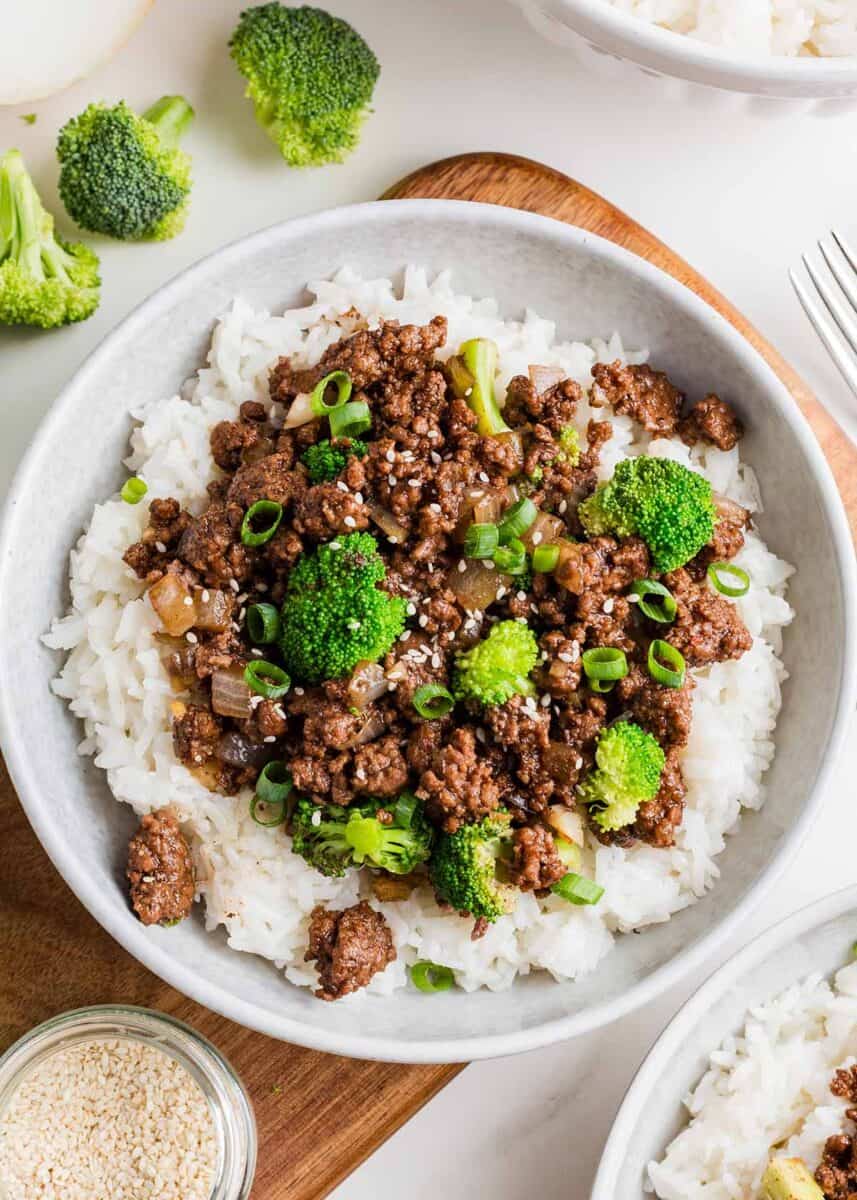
<point x="54" y="956"/>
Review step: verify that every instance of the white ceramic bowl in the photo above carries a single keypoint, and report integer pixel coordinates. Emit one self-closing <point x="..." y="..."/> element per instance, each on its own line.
<point x="818" y="938"/>
<point x="589" y="286"/>
<point x="609" y="39"/>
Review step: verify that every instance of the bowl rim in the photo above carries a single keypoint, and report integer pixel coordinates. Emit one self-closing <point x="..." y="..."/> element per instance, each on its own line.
<point x="150" y="953"/>
<point x="658" y="47"/>
<point x="710" y="991"/>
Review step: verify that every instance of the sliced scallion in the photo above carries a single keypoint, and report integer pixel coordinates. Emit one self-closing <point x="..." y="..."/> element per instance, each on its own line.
<point x="341" y="380"/>
<point x="517" y="519"/>
<point x="741" y="584"/>
<point x="431" y="977"/>
<point x="263" y="623"/>
<point x="604" y="664"/>
<point x="433" y="700"/>
<point x="666" y="664"/>
<point x="272" y="792"/>
<point x="545" y="559"/>
<point x="133" y="490"/>
<point x="350" y="420"/>
<point x="481" y="540"/>
<point x="511" y="559"/>
<point x="261" y="521"/>
<point x="577" y="889"/>
<point x="266" y="679"/>
<point x="664" y="609"/>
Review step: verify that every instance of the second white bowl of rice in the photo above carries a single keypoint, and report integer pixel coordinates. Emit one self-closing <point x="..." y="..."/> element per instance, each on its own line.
<point x="754" y="51"/>
<point x="545" y="292"/>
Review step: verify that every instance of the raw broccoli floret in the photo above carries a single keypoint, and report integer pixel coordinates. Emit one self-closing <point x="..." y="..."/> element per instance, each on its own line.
<point x="569" y="440"/>
<point x="497" y="667"/>
<point x="124" y="175"/>
<point x="324" y="461"/>
<point x="43" y="280"/>
<point x="463" y="868"/>
<point x="471" y="374"/>
<point x="668" y="505"/>
<point x="629" y="765"/>
<point x="334" y="614"/>
<point x="310" y="77"/>
<point x="333" y="839"/>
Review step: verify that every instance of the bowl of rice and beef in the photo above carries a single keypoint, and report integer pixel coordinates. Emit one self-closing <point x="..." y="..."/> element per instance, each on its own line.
<point x="433" y="636"/>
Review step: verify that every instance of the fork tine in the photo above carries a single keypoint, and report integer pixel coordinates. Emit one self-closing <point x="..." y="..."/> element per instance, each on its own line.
<point x="834" y="305"/>
<point x="845" y="247"/>
<point x="837" y="269"/>
<point x="826" y="332"/>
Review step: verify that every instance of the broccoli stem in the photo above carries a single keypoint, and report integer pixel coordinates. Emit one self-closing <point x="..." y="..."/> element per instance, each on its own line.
<point x="171" y="115"/>
<point x="27" y="220"/>
<point x="480" y="358"/>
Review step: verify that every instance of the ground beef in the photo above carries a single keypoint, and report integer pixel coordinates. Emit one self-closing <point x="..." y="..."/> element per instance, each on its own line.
<point x="212" y="545"/>
<point x="232" y="440"/>
<point x="523" y="730"/>
<point x="638" y="392"/>
<point x="271" y="478"/>
<point x="582" y="722"/>
<point x="380" y="768"/>
<point x="665" y="712"/>
<point x="423" y="743"/>
<point x="324" y="510"/>
<point x="560" y="673"/>
<point x="713" y="421"/>
<point x="196" y="734"/>
<point x="149" y="557"/>
<point x="348" y="946"/>
<point x="160" y="870"/>
<point x="659" y="818"/>
<point x="461" y="785"/>
<point x="535" y="862"/>
<point x="836" y="1174"/>
<point x="554" y="407"/>
<point x="708" y="627"/>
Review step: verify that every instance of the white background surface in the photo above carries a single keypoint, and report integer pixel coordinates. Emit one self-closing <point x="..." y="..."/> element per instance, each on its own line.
<point x="739" y="197"/>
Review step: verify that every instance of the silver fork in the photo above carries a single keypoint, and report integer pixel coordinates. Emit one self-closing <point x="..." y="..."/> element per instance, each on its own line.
<point x="841" y="260"/>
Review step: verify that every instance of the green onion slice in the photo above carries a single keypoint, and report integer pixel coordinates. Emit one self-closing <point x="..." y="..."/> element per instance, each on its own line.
<point x="602" y="686"/>
<point x="577" y="890"/>
<point x="666" y="664"/>
<point x="481" y="540"/>
<point x="431" y="977"/>
<point x="404" y="810"/>
<point x="350" y="420"/>
<point x="268" y="514"/>
<point x="433" y="700"/>
<point x="604" y="664"/>
<point x="273" y="814"/>
<point x="272" y="792"/>
<point x="663" y="610"/>
<point x="545" y="559"/>
<point x="517" y="519"/>
<point x="266" y="679"/>
<point x="511" y="559"/>
<point x="263" y="623"/>
<point x="739" y="588"/>
<point x="133" y="490"/>
<point x="341" y="380"/>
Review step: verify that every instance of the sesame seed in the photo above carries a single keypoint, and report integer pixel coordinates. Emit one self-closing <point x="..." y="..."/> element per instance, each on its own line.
<point x="435" y="661"/>
<point x="390" y="456"/>
<point x="404" y="635"/>
<point x="501" y="592"/>
<point x="562" y="506"/>
<point x="188" y="600"/>
<point x="358" y="496"/>
<point x="299" y="691"/>
<point x="565" y="657"/>
<point x="192" y="638"/>
<point x="435" y="508"/>
<point x="335" y="545"/>
<point x="632" y="598"/>
<point x="393" y="540"/>
<point x="483" y="477"/>
<point x="206" y="595"/>
<point x="578" y="763"/>
<point x="608" y="604"/>
<point x="537" y="537"/>
<point x="545" y="700"/>
<point x="233" y="583"/>
<point x="315" y="819"/>
<point x="255" y="701"/>
<point x="392" y="481"/>
<point x="435" y="457"/>
<point x="487" y="564"/>
<point x="423" y="621"/>
<point x="521" y="596"/>
<point x="462" y="566"/>
<point x="269" y="738"/>
<point x="413" y="483"/>
<point x="353" y="624"/>
<point x="410" y="608"/>
<point x="350" y="522"/>
<point x="481" y="735"/>
<point x="160" y="547"/>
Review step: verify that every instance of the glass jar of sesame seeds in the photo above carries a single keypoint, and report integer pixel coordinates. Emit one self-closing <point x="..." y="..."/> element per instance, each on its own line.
<point x="125" y="1104"/>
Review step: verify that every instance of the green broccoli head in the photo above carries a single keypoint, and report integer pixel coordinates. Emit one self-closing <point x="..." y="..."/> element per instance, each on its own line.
<point x="497" y="668"/>
<point x="629" y="765"/>
<point x="325" y="460"/>
<point x="333" y="839"/>
<point x="44" y="281"/>
<point x="668" y="505"/>
<point x="463" y="868"/>
<point x="569" y="440"/>
<point x="334" y="614"/>
<point x="310" y="77"/>
<point x="124" y="175"/>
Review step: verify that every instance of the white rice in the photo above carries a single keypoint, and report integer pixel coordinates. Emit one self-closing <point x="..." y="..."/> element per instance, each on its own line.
<point x="250" y="882"/>
<point x="767" y="1091"/>
<point x="788" y="27"/>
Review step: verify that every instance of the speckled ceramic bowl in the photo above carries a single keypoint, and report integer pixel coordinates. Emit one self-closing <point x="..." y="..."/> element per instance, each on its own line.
<point x="590" y="287"/>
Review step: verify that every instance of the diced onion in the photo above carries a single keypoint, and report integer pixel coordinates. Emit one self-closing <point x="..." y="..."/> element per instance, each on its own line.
<point x="238" y="751"/>
<point x="476" y="586"/>
<point x="566" y="822"/>
<point x="543" y="378"/>
<point x="370" y="730"/>
<point x="230" y="695"/>
<point x="730" y="510"/>
<point x="568" y="572"/>
<point x="386" y="887"/>
<point x="545" y="528"/>
<point x="300" y="412"/>
<point x="367" y="683"/>
<point x="212" y="609"/>
<point x="171" y="599"/>
<point x="386" y="522"/>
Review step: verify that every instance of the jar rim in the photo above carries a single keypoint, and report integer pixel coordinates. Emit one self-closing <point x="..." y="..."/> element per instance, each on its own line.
<point x="231" y="1109"/>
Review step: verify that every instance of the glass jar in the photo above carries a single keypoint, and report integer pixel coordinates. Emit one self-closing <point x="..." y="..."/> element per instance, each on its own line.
<point x="232" y="1116"/>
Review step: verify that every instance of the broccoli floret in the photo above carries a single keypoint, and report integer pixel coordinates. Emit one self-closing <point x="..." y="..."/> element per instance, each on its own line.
<point x="629" y="765"/>
<point x="324" y="461"/>
<point x="44" y="281"/>
<point x="124" y="175"/>
<point x="463" y="868"/>
<point x="334" y="614"/>
<point x="497" y="667"/>
<point x="310" y="77"/>
<point x="569" y="440"/>
<point x="668" y="505"/>
<point x="332" y="838"/>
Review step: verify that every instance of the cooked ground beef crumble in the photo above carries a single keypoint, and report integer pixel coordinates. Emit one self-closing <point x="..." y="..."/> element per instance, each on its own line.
<point x="425" y="471"/>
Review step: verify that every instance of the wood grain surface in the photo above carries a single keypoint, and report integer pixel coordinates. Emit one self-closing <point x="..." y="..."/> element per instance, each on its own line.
<point x="54" y="956"/>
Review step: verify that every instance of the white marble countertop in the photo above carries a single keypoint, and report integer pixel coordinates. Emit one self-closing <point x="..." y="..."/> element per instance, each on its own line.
<point x="739" y="197"/>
